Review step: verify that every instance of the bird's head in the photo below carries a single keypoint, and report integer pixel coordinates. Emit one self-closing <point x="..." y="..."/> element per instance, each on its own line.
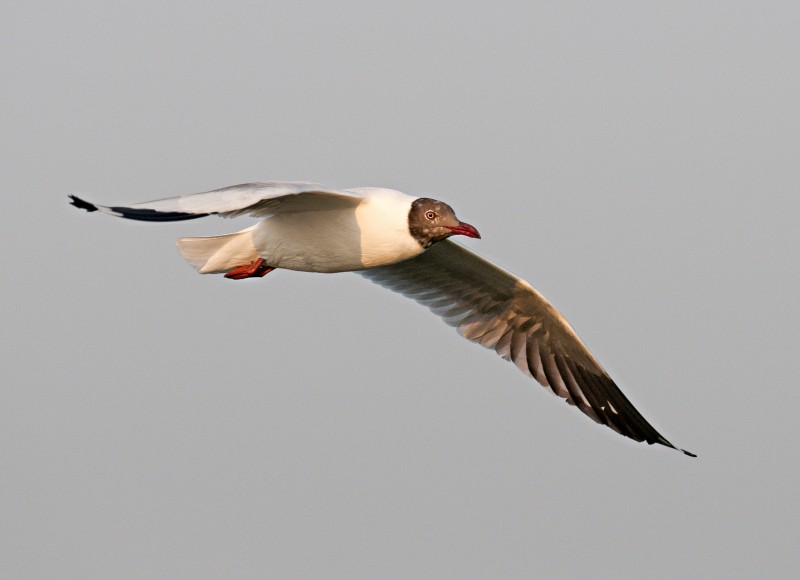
<point x="431" y="221"/>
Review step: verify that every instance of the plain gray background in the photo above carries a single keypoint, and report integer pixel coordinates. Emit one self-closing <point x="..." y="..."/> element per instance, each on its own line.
<point x="636" y="161"/>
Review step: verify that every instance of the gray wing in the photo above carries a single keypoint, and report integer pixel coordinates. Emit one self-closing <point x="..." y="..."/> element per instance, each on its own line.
<point x="500" y="311"/>
<point x="259" y="199"/>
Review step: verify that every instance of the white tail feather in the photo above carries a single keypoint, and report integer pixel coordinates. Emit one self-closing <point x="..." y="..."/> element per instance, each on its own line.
<point x="216" y="254"/>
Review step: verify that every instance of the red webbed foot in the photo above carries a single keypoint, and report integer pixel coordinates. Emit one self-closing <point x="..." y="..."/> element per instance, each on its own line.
<point x="255" y="269"/>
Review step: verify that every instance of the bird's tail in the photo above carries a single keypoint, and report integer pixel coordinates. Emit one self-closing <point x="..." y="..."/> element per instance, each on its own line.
<point x="217" y="254"/>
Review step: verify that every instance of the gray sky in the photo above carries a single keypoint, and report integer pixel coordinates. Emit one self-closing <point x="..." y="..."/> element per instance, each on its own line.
<point x="637" y="162"/>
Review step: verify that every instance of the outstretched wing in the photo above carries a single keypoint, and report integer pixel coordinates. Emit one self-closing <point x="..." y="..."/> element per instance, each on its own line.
<point x="259" y="199"/>
<point x="498" y="310"/>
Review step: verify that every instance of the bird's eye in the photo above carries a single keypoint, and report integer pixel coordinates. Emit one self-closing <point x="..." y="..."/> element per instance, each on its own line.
<point x="430" y="215"/>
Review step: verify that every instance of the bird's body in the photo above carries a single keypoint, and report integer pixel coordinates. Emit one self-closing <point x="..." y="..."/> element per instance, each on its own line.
<point x="400" y="241"/>
<point x="372" y="233"/>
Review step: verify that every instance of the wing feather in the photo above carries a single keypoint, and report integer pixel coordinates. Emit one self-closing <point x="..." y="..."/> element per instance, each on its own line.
<point x="259" y="199"/>
<point x="496" y="309"/>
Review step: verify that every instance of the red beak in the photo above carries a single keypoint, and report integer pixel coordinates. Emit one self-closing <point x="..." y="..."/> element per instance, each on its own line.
<point x="464" y="229"/>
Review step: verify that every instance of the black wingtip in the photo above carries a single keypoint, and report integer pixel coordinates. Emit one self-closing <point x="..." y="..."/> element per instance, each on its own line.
<point x="689" y="453"/>
<point x="81" y="204"/>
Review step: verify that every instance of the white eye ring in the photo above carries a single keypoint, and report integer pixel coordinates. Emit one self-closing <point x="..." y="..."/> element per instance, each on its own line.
<point x="430" y="215"/>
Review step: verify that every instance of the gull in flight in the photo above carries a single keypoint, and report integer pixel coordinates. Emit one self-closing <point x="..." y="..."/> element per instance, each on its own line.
<point x="400" y="242"/>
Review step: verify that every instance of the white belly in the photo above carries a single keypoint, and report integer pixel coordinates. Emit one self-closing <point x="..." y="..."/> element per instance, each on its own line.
<point x="374" y="233"/>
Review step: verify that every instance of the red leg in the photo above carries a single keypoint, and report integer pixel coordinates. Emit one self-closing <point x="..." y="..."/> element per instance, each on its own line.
<point x="255" y="269"/>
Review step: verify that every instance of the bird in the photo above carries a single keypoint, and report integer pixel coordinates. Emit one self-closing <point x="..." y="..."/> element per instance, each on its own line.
<point x="401" y="242"/>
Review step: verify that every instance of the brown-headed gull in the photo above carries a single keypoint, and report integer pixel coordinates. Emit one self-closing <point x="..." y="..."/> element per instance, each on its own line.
<point x="400" y="242"/>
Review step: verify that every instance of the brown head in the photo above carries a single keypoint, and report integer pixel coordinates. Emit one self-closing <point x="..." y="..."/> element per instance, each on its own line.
<point x="431" y="221"/>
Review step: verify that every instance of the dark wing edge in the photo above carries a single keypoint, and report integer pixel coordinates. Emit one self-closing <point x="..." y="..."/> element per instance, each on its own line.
<point x="497" y="310"/>
<point x="132" y="213"/>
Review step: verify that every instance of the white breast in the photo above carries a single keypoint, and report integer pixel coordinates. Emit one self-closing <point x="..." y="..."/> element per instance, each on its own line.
<point x="383" y="223"/>
<point x="374" y="233"/>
